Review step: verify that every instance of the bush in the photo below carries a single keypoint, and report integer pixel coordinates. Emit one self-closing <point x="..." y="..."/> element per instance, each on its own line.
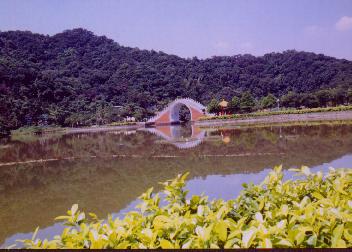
<point x="314" y="211"/>
<point x="35" y="130"/>
<point x="247" y="102"/>
<point x="122" y="123"/>
<point x="213" y="106"/>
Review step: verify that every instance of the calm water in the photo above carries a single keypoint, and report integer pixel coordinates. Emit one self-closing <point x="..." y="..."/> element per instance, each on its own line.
<point x="41" y="177"/>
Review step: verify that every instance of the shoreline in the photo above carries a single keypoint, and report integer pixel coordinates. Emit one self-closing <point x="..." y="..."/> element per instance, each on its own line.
<point x="103" y="128"/>
<point x="258" y="120"/>
<point x="283" y="118"/>
<point x="69" y="130"/>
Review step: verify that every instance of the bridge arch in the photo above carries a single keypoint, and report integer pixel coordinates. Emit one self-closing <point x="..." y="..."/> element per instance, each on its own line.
<point x="175" y="112"/>
<point x="171" y="133"/>
<point x="171" y="113"/>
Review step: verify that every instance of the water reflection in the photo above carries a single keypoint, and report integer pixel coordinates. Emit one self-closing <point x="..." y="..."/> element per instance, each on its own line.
<point x="105" y="172"/>
<point x="180" y="136"/>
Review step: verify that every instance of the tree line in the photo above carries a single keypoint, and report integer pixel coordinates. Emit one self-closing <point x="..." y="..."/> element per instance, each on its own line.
<point x="76" y="78"/>
<point x="247" y="103"/>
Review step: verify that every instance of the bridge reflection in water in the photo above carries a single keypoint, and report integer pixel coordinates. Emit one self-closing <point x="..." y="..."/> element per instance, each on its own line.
<point x="180" y="136"/>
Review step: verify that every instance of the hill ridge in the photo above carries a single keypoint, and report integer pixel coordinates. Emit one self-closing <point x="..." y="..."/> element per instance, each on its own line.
<point x="73" y="77"/>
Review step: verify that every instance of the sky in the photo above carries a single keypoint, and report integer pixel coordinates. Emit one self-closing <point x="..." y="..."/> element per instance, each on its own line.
<point x="200" y="28"/>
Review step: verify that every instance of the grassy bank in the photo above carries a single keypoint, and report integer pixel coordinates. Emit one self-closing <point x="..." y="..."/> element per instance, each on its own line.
<point x="312" y="211"/>
<point x="33" y="133"/>
<point x="122" y="123"/>
<point x="277" y="124"/>
<point x="281" y="112"/>
<point x="36" y="130"/>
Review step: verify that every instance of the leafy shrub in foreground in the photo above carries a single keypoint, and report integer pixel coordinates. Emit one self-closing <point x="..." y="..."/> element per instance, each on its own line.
<point x="312" y="212"/>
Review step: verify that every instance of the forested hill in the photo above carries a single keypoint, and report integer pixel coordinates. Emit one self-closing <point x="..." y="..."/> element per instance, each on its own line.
<point x="75" y="77"/>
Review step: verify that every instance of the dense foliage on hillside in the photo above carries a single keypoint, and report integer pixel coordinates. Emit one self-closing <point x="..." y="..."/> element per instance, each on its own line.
<point x="75" y="78"/>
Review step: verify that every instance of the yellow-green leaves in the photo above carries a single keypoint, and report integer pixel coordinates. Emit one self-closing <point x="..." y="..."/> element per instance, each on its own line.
<point x="248" y="237"/>
<point x="165" y="244"/>
<point x="74" y="209"/>
<point x="220" y="229"/>
<point x="266" y="243"/>
<point x="161" y="221"/>
<point x="204" y="232"/>
<point x="315" y="211"/>
<point x="259" y="217"/>
<point x="336" y="241"/>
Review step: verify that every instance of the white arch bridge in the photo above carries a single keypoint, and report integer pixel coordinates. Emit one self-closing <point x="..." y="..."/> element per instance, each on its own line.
<point x="171" y="114"/>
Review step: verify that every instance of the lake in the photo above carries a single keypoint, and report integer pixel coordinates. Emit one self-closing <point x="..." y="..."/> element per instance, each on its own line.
<point x="105" y="172"/>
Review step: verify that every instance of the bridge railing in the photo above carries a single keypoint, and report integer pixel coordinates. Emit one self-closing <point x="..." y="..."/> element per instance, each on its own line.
<point x="186" y="101"/>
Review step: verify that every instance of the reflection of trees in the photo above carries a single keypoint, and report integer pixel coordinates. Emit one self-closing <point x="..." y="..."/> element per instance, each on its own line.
<point x="142" y="143"/>
<point x="33" y="194"/>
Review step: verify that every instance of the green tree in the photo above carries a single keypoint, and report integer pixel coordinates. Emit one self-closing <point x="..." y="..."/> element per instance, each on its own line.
<point x="349" y="96"/>
<point x="324" y="97"/>
<point x="234" y="105"/>
<point x="56" y="114"/>
<point x="138" y="113"/>
<point x="213" y="106"/>
<point x="247" y="102"/>
<point x="338" y="96"/>
<point x="290" y="100"/>
<point x="309" y="101"/>
<point x="268" y="101"/>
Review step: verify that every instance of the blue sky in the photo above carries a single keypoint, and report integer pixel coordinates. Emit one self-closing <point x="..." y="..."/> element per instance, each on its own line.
<point x="193" y="27"/>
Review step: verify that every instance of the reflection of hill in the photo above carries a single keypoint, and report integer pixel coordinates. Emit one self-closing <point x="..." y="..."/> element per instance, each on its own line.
<point x="241" y="140"/>
<point x="34" y="194"/>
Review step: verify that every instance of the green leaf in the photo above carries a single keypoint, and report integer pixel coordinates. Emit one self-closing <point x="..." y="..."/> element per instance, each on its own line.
<point x="299" y="238"/>
<point x="305" y="170"/>
<point x="200" y="210"/>
<point x="184" y="176"/>
<point x="347" y="235"/>
<point x="318" y="195"/>
<point x="187" y="244"/>
<point x="266" y="243"/>
<point x="161" y="221"/>
<point x="62" y="217"/>
<point x="284" y="243"/>
<point x="81" y="217"/>
<point x="93" y="216"/>
<point x="312" y="240"/>
<point x="349" y="203"/>
<point x="336" y="236"/>
<point x="221" y="229"/>
<point x="259" y="217"/>
<point x="229" y="243"/>
<point x="35" y="233"/>
<point x="341" y="244"/>
<point x="165" y="244"/>
<point x="284" y="209"/>
<point x="74" y="208"/>
<point x="248" y="237"/>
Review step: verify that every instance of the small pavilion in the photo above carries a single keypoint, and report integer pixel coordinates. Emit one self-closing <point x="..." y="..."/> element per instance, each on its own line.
<point x="223" y="107"/>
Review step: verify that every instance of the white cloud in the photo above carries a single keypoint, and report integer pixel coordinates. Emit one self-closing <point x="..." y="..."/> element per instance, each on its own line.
<point x="344" y="24"/>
